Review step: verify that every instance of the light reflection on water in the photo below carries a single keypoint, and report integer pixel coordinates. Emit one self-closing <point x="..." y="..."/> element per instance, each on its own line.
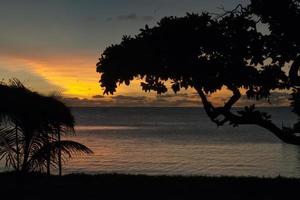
<point x="178" y="141"/>
<point x="119" y="151"/>
<point x="97" y="128"/>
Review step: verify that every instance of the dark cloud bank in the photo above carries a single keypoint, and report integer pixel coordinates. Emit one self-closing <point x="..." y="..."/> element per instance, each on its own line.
<point x="170" y="100"/>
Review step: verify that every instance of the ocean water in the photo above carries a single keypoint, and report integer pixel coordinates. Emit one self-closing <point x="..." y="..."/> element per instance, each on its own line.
<point x="179" y="141"/>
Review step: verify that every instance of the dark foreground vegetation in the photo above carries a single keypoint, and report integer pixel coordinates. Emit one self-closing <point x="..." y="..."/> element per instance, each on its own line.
<point x="107" y="186"/>
<point x="31" y="126"/>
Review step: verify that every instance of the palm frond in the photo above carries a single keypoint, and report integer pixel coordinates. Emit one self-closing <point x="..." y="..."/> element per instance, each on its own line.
<point x="35" y="123"/>
<point x="71" y="147"/>
<point x="50" y="151"/>
<point x="8" y="149"/>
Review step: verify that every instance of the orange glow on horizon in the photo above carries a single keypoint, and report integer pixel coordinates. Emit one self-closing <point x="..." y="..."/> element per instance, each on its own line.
<point x="76" y="76"/>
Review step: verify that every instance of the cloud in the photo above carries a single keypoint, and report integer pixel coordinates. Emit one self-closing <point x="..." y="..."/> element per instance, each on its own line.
<point x="71" y="74"/>
<point x="122" y="100"/>
<point x="167" y="100"/>
<point x="31" y="80"/>
<point x="129" y="98"/>
<point x="178" y="100"/>
<point x="131" y="17"/>
<point x="78" y="102"/>
<point x="172" y="95"/>
<point x="105" y="101"/>
<point x="128" y="17"/>
<point x="97" y="96"/>
<point x="219" y="99"/>
<point x="189" y="99"/>
<point x="276" y="99"/>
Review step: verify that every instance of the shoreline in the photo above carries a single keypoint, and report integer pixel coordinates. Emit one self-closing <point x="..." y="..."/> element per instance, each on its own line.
<point x="107" y="186"/>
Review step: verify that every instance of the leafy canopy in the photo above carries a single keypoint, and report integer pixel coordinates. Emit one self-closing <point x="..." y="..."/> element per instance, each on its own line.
<point x="194" y="50"/>
<point x="208" y="53"/>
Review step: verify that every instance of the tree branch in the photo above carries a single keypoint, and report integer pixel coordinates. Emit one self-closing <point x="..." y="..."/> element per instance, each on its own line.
<point x="248" y="117"/>
<point x="236" y="96"/>
<point x="288" y="137"/>
<point x="215" y="112"/>
<point x="238" y="9"/>
<point x="209" y="108"/>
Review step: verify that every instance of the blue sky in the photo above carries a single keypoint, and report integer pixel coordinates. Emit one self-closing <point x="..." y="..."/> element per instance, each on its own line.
<point x="89" y="25"/>
<point x="53" y="45"/>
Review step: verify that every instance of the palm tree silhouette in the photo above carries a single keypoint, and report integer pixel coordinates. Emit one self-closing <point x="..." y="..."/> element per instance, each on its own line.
<point x="31" y="129"/>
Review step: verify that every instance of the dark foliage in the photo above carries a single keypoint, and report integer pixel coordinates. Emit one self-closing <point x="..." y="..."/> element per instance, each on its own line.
<point x="30" y="128"/>
<point x="210" y="53"/>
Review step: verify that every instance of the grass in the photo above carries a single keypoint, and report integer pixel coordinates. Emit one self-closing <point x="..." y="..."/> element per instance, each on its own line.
<point x="108" y="186"/>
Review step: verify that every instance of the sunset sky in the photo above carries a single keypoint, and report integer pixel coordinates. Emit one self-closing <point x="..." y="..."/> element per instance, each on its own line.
<point x="52" y="46"/>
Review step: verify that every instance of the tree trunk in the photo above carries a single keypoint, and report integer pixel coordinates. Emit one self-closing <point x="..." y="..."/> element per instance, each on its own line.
<point x="59" y="154"/>
<point x="48" y="158"/>
<point x="26" y="156"/>
<point x="17" y="148"/>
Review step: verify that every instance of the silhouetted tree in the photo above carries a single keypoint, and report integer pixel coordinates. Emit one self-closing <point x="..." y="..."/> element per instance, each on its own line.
<point x="209" y="53"/>
<point x="31" y="126"/>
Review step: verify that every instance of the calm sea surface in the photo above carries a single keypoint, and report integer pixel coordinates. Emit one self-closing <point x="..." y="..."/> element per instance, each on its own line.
<point x="179" y="141"/>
